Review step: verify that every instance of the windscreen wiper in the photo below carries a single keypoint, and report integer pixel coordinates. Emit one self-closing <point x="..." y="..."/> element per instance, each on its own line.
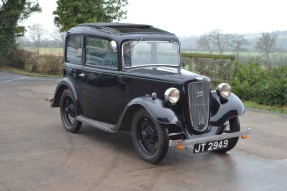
<point x="134" y="45"/>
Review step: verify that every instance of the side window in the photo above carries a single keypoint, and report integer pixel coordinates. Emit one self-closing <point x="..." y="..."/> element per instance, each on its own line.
<point x="99" y="53"/>
<point x="74" y="49"/>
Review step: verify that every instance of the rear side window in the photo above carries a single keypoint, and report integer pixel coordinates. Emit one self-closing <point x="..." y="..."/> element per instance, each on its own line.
<point x="98" y="53"/>
<point x="74" y="49"/>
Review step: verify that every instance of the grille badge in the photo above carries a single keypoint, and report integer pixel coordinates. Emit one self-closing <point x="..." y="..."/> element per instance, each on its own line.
<point x="199" y="94"/>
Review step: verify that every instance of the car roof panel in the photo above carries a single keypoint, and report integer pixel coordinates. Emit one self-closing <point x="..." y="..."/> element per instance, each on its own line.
<point x="121" y="28"/>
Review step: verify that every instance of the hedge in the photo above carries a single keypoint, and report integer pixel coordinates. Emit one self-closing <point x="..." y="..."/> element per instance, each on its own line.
<point x="263" y="85"/>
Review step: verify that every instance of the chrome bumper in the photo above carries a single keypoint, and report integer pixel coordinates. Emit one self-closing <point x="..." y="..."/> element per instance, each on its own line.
<point x="189" y="143"/>
<point x="51" y="101"/>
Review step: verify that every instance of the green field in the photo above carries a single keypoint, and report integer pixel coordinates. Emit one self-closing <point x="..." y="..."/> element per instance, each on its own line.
<point x="54" y="51"/>
<point x="276" y="58"/>
<point x="59" y="52"/>
<point x="244" y="53"/>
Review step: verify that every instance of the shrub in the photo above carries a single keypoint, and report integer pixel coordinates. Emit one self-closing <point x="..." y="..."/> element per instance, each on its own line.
<point x="43" y="64"/>
<point x="17" y="58"/>
<point x="267" y="86"/>
<point x="49" y="64"/>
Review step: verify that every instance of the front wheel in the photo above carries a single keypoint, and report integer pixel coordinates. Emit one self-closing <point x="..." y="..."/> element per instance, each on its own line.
<point x="232" y="125"/>
<point x="149" y="138"/>
<point x="68" y="112"/>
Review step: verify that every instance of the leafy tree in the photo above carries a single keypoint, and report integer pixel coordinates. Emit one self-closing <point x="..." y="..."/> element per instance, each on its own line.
<point x="266" y="44"/>
<point x="237" y="43"/>
<point x="12" y="12"/>
<point x="72" y="12"/>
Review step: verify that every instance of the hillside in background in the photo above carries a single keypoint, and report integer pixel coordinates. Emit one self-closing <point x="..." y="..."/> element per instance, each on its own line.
<point x="190" y="43"/>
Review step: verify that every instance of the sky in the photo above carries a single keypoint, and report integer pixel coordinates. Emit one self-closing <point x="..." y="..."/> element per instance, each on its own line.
<point x="193" y="17"/>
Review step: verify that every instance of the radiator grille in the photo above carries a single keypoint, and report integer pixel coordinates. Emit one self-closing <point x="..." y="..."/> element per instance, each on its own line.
<point x="199" y="95"/>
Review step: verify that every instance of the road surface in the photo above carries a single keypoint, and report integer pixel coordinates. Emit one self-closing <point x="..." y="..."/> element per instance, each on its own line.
<point x="37" y="154"/>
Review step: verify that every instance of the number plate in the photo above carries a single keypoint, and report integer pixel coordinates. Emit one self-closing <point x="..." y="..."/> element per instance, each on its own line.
<point x="210" y="146"/>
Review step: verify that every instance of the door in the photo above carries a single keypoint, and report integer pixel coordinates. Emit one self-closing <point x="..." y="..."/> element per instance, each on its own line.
<point x="103" y="94"/>
<point x="74" y="60"/>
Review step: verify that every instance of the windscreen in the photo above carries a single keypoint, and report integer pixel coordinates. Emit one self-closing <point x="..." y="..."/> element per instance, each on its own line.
<point x="143" y="53"/>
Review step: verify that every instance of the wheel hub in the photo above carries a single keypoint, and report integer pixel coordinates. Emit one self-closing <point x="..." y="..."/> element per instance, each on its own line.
<point x="147" y="136"/>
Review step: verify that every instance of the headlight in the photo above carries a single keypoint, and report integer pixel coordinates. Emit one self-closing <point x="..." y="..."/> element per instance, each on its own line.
<point x="223" y="90"/>
<point x="172" y="95"/>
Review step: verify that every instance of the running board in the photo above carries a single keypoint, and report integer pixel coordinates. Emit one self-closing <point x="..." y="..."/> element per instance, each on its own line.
<point x="100" y="125"/>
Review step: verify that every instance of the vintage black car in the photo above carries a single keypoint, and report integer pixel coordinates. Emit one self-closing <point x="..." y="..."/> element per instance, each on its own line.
<point x="128" y="77"/>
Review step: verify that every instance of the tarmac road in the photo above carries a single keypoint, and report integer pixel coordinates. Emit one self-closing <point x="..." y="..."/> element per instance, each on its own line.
<point x="37" y="154"/>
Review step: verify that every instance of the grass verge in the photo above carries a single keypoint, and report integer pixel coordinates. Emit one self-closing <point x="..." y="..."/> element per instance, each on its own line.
<point x="23" y="72"/>
<point x="265" y="107"/>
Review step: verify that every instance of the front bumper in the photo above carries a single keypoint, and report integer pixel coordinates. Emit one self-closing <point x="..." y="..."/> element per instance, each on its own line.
<point x="51" y="100"/>
<point x="189" y="143"/>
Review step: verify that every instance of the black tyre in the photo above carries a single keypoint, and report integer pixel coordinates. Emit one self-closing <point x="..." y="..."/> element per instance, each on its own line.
<point x="233" y="125"/>
<point x="149" y="138"/>
<point x="68" y="112"/>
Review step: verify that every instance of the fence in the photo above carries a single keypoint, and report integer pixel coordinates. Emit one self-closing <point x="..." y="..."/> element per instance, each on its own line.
<point x="217" y="67"/>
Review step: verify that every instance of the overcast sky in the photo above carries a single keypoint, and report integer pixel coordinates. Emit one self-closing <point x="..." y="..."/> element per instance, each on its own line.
<point x="194" y="17"/>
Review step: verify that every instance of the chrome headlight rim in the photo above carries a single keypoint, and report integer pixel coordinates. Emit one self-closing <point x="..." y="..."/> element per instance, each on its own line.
<point x="223" y="90"/>
<point x="172" y="95"/>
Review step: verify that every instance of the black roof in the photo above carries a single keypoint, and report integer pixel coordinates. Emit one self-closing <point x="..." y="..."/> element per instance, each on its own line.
<point x="122" y="28"/>
<point x="123" y="31"/>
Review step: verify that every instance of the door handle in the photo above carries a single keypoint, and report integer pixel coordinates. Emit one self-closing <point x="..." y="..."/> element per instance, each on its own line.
<point x="82" y="75"/>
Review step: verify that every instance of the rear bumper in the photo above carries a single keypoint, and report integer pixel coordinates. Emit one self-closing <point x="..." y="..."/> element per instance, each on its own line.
<point x="191" y="142"/>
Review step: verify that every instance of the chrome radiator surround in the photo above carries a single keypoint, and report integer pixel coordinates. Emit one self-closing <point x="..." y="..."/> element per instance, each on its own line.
<point x="198" y="105"/>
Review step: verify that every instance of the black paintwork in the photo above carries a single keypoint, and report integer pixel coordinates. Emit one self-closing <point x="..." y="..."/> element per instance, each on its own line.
<point x="222" y="109"/>
<point x="113" y="95"/>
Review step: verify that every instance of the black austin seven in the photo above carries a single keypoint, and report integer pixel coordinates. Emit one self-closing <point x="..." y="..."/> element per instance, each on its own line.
<point x="128" y="77"/>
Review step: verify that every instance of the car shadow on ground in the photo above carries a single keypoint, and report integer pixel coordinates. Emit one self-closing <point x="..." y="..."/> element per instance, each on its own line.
<point x="122" y="142"/>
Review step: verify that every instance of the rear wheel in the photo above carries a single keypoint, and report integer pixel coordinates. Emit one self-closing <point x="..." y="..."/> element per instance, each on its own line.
<point x="149" y="138"/>
<point x="232" y="125"/>
<point x="68" y="112"/>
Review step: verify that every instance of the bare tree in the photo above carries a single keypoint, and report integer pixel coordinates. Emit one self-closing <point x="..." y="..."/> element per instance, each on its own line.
<point x="266" y="44"/>
<point x="214" y="40"/>
<point x="37" y="33"/>
<point x="59" y="37"/>
<point x="205" y="42"/>
<point x="237" y="43"/>
<point x="219" y="40"/>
